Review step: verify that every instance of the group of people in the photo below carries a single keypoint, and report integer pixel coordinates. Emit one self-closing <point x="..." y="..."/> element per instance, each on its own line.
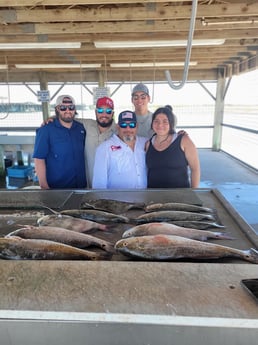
<point x="142" y="150"/>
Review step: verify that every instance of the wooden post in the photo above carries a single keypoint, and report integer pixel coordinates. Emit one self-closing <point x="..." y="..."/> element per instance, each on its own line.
<point x="218" y="115"/>
<point x="44" y="86"/>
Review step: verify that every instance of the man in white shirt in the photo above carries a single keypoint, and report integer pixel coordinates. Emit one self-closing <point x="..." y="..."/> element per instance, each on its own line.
<point x="120" y="160"/>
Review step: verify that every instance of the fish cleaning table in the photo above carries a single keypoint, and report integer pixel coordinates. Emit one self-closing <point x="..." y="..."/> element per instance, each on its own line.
<point x="122" y="301"/>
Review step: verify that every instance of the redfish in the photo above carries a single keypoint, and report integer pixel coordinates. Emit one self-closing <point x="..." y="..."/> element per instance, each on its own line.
<point x="69" y="222"/>
<point x="172" y="229"/>
<point x="15" y="248"/>
<point x="56" y="234"/>
<point x="166" y="248"/>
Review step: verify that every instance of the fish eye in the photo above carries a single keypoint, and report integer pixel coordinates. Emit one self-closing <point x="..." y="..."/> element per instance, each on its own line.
<point x="125" y="244"/>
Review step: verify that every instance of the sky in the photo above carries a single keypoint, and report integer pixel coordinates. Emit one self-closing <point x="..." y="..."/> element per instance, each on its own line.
<point x="242" y="90"/>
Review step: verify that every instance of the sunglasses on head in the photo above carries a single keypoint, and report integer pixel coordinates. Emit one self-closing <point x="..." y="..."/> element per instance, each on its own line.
<point x="108" y="111"/>
<point x="125" y="125"/>
<point x="65" y="107"/>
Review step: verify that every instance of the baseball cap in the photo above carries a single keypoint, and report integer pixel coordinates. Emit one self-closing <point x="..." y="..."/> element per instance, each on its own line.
<point x="105" y="101"/>
<point x="140" y="88"/>
<point x="62" y="99"/>
<point x="127" y="115"/>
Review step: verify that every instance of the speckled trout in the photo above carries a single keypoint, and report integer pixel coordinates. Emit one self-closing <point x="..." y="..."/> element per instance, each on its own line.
<point x="175" y="206"/>
<point x="97" y="216"/>
<point x="111" y="205"/>
<point x="166" y="247"/>
<point x="15" y="248"/>
<point x="56" y="234"/>
<point x="172" y="229"/>
<point x="200" y="225"/>
<point x="71" y="223"/>
<point x="166" y="216"/>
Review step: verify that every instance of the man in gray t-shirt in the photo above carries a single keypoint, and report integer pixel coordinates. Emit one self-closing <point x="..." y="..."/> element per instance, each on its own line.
<point x="97" y="131"/>
<point x="140" y="100"/>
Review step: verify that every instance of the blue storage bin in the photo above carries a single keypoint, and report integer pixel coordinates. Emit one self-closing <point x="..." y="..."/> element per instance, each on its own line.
<point x="20" y="171"/>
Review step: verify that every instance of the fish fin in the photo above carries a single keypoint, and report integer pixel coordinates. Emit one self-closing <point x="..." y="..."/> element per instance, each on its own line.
<point x="107" y="227"/>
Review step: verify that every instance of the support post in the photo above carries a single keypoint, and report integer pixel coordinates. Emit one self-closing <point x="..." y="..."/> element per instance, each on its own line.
<point x="44" y="86"/>
<point x="2" y="166"/>
<point x="218" y="115"/>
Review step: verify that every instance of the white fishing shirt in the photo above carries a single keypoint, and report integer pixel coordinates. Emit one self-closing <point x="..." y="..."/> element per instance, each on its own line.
<point x="117" y="166"/>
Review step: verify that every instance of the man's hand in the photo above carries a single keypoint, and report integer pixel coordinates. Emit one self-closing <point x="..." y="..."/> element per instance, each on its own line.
<point x="50" y="119"/>
<point x="182" y="132"/>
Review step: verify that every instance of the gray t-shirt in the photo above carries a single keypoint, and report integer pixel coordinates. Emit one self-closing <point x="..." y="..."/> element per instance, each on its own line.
<point x="144" y="125"/>
<point x="93" y="139"/>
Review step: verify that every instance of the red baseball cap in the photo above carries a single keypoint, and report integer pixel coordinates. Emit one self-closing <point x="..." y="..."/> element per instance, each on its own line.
<point x="105" y="101"/>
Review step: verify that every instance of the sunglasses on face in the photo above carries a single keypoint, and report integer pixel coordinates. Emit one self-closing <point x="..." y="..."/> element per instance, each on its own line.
<point x="65" y="107"/>
<point x="125" y="125"/>
<point x="108" y="111"/>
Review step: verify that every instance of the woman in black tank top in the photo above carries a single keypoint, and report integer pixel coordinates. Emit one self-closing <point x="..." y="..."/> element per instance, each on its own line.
<point x="172" y="159"/>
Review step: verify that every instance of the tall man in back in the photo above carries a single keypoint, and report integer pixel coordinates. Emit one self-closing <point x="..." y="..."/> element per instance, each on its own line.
<point x="140" y="100"/>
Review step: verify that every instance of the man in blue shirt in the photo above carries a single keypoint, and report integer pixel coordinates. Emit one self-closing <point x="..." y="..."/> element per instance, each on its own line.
<point x="59" y="149"/>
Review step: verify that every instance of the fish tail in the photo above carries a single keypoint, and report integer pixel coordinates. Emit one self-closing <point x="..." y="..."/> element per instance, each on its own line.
<point x="103" y="256"/>
<point x="48" y="208"/>
<point x="251" y="255"/>
<point x="219" y="226"/>
<point x="107" y="228"/>
<point x="108" y="247"/>
<point x="103" y="227"/>
<point x="223" y="236"/>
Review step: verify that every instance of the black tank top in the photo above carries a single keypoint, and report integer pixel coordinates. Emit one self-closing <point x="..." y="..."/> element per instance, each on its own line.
<point x="168" y="168"/>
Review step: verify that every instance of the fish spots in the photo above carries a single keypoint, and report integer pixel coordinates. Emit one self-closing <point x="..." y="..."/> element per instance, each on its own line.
<point x="159" y="239"/>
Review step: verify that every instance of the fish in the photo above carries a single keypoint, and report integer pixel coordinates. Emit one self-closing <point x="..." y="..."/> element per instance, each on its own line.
<point x="97" y="216"/>
<point x="16" y="248"/>
<point x="166" y="216"/>
<point x="56" y="234"/>
<point x="172" y="229"/>
<point x="195" y="224"/>
<point x="71" y="223"/>
<point x="110" y="205"/>
<point x="169" y="247"/>
<point x="175" y="206"/>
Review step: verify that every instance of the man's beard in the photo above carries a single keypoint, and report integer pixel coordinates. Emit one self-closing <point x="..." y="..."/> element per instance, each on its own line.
<point x="128" y="138"/>
<point x="104" y="124"/>
<point x="67" y="119"/>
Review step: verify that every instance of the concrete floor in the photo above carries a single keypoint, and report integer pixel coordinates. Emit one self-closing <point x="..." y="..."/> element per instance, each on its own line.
<point x="237" y="183"/>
